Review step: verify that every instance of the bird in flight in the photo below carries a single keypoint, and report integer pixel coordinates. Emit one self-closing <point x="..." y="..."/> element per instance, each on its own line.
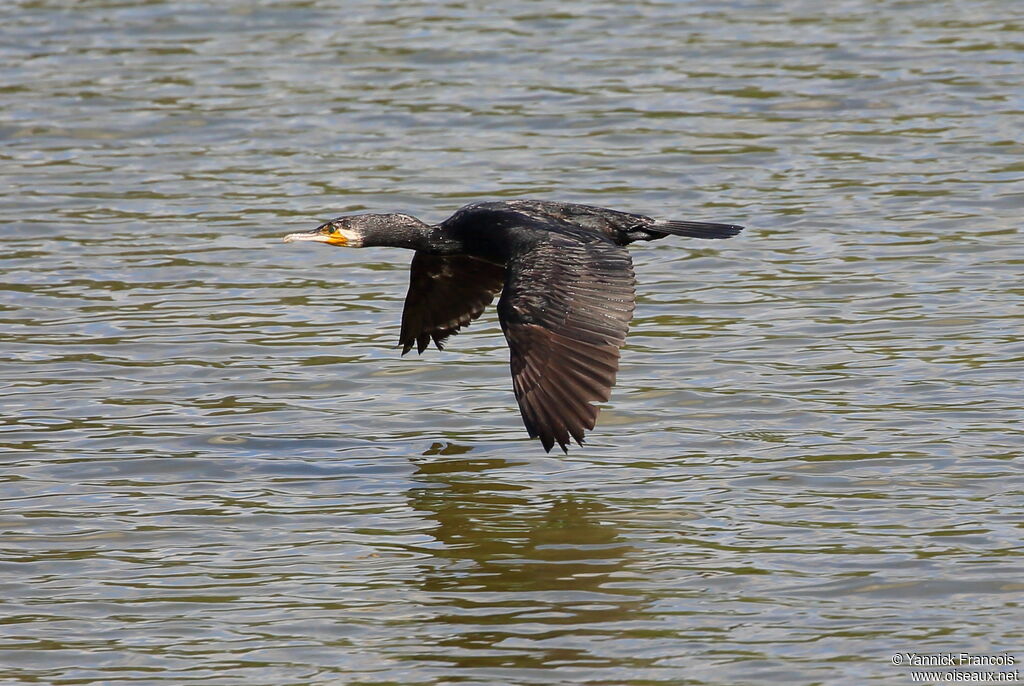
<point x="566" y="283"/>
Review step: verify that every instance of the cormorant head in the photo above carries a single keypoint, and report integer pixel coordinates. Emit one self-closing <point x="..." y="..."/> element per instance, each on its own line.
<point x="362" y="230"/>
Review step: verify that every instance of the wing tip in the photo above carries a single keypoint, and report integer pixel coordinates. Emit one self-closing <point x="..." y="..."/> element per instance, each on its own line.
<point x="548" y="443"/>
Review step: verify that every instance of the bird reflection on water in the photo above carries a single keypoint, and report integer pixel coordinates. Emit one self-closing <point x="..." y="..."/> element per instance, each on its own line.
<point x="553" y="563"/>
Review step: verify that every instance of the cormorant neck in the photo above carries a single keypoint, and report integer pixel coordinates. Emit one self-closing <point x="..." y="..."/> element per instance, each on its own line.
<point x="401" y="231"/>
<point x="404" y="231"/>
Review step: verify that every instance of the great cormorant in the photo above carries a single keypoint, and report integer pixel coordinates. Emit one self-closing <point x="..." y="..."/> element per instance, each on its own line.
<point x="566" y="284"/>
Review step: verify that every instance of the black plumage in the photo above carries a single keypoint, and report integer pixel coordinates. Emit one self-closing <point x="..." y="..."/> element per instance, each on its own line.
<point x="566" y="284"/>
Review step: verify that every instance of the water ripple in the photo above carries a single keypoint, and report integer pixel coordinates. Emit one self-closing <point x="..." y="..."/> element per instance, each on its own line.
<point x="218" y="468"/>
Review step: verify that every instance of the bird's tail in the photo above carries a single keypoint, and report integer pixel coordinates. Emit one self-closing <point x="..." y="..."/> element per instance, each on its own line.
<point x="696" y="229"/>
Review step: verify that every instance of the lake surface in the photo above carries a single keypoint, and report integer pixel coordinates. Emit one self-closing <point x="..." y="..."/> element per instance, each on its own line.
<point x="217" y="468"/>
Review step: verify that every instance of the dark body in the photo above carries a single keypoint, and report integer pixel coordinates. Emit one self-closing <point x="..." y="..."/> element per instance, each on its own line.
<point x="567" y="289"/>
<point x="477" y="225"/>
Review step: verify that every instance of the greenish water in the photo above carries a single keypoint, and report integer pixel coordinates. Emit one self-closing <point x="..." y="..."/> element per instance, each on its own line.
<point x="217" y="469"/>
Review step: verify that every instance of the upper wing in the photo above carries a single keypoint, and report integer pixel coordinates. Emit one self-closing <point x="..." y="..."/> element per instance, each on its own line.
<point x="445" y="294"/>
<point x="565" y="312"/>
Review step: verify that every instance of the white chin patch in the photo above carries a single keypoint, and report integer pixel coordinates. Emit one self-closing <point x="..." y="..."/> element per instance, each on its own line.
<point x="352" y="239"/>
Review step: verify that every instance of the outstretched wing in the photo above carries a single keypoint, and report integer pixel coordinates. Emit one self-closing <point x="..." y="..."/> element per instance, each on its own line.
<point x="565" y="312"/>
<point x="445" y="294"/>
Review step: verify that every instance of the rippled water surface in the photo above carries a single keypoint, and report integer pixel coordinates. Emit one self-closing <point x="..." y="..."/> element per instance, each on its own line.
<point x="218" y="469"/>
